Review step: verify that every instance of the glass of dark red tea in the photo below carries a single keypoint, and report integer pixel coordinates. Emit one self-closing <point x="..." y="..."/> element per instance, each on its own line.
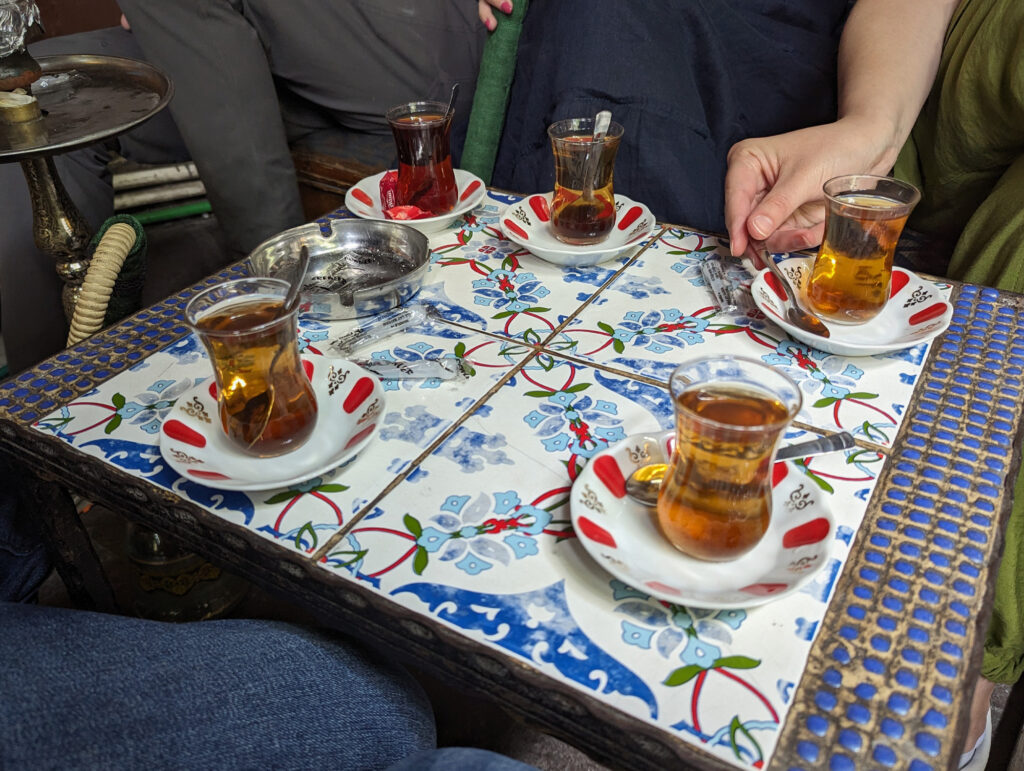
<point x="422" y="138"/>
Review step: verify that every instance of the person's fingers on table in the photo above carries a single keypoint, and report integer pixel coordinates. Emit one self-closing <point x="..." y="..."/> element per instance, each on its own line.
<point x="794" y="201"/>
<point x="486" y="11"/>
<point x="747" y="180"/>
<point x="787" y="239"/>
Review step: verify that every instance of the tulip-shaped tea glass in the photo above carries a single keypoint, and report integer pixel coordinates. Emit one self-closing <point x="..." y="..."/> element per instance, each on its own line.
<point x="864" y="217"/>
<point x="426" y="179"/>
<point x="715" y="501"/>
<point x="583" y="206"/>
<point x="266" y="402"/>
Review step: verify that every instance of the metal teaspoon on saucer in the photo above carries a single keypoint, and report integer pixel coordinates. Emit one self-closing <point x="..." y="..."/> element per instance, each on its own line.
<point x="643" y="484"/>
<point x="796" y="314"/>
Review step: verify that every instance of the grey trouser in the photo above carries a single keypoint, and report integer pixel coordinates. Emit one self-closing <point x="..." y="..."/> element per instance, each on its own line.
<point x="331" y="62"/>
<point x="249" y="76"/>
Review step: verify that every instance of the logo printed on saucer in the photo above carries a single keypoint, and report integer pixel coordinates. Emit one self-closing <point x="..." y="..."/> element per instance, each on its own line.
<point x="345" y="424"/>
<point x="624" y="539"/>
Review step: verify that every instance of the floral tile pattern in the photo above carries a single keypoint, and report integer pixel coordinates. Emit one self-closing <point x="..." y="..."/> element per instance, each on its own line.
<point x="481" y="540"/>
<point x="479" y="279"/>
<point x="120" y="422"/>
<point x="660" y="312"/>
<point x="459" y="509"/>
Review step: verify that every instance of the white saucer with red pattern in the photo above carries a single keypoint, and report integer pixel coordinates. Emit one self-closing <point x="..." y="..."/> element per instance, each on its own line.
<point x="623" y="536"/>
<point x="363" y="200"/>
<point x="528" y="224"/>
<point x="350" y="402"/>
<point x="916" y="312"/>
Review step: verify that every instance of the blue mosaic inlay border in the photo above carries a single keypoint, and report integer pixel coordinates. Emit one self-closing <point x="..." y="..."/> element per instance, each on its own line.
<point x="913" y="584"/>
<point x="30" y="395"/>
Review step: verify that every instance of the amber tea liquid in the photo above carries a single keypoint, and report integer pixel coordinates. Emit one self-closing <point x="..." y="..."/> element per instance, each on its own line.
<point x="850" y="280"/>
<point x="425" y="175"/>
<point x="267" y="406"/>
<point x="576" y="220"/>
<point x="715" y="501"/>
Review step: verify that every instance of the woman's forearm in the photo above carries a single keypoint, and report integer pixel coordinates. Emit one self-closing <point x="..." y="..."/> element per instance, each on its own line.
<point x="888" y="57"/>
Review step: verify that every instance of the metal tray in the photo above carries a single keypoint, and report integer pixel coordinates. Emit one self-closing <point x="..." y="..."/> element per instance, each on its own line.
<point x="85" y="99"/>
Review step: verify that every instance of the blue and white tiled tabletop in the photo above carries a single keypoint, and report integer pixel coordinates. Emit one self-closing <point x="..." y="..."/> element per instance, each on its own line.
<point x="458" y="511"/>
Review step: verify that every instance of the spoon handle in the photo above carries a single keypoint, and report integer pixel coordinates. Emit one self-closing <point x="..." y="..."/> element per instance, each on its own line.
<point x="451" y="99"/>
<point x="602" y="121"/>
<point x="796" y="313"/>
<point x="831" y="443"/>
<point x="765" y="256"/>
<point x="295" y="291"/>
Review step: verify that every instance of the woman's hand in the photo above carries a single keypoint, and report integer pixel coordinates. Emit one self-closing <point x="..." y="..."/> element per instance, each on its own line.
<point x="486" y="9"/>
<point x="773" y="184"/>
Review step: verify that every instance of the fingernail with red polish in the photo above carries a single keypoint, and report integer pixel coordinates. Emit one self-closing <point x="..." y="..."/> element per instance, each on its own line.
<point x="506" y="7"/>
<point x="491" y="24"/>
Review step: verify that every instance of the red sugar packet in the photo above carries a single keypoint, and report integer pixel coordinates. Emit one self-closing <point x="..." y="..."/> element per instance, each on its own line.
<point x="406" y="213"/>
<point x="389" y="191"/>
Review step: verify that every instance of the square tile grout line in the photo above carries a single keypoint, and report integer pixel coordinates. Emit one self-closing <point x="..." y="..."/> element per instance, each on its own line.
<point x="331" y="542"/>
<point x="611" y="279"/>
<point x="537" y="349"/>
<point x="862" y="443"/>
<point x="570" y="316"/>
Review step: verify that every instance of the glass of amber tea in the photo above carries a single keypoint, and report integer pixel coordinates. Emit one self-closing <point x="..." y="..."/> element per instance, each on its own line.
<point x="266" y="402"/>
<point x="422" y="132"/>
<point x="865" y="215"/>
<point x="715" y="501"/>
<point x="583" y="206"/>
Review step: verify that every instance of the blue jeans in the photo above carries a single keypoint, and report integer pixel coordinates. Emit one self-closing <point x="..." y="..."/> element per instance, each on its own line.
<point x="88" y="690"/>
<point x="24" y="563"/>
<point x="460" y="758"/>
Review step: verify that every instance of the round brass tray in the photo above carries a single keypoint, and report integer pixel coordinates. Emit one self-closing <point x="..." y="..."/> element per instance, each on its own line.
<point x="85" y="99"/>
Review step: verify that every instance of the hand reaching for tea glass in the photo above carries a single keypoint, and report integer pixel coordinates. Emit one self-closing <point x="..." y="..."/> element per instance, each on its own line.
<point x="486" y="11"/>
<point x="773" y="184"/>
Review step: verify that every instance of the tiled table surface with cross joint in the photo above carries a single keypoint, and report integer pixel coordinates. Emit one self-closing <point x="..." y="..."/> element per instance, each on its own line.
<point x="448" y="541"/>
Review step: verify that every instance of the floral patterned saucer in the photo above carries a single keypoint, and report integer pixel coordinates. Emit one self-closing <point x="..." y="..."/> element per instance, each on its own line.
<point x="527" y="223"/>
<point x="349" y="399"/>
<point x="916" y="312"/>
<point x="623" y="536"/>
<point x="363" y="200"/>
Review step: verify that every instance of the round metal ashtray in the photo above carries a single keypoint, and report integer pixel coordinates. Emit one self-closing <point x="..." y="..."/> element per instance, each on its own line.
<point x="359" y="268"/>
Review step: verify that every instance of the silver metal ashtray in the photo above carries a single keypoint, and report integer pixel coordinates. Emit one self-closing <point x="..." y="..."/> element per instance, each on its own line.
<point x="360" y="268"/>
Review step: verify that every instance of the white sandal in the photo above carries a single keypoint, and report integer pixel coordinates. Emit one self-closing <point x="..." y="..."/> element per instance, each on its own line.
<point x="977" y="758"/>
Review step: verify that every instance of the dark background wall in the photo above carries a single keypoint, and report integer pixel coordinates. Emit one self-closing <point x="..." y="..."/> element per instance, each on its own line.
<point x="62" y="17"/>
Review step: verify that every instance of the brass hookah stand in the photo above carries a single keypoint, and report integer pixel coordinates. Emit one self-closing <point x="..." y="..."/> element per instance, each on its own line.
<point x="170" y="583"/>
<point x="58" y="227"/>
